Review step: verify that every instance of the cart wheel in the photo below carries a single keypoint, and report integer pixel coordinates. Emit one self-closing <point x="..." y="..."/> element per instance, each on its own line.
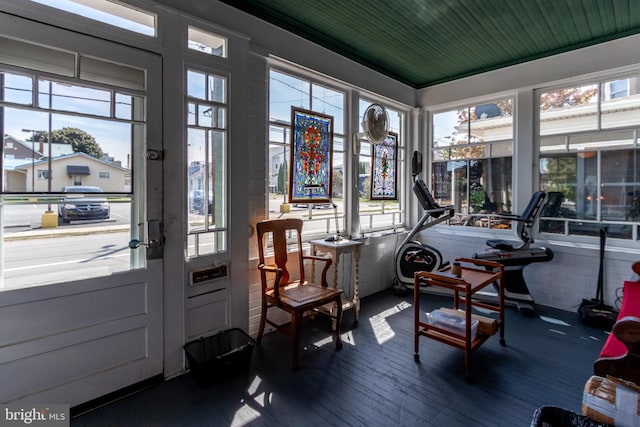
<point x="416" y="357"/>
<point x="468" y="378"/>
<point x="503" y="342"/>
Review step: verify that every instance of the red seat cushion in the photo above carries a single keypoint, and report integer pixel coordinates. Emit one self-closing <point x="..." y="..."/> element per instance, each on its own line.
<point x="630" y="307"/>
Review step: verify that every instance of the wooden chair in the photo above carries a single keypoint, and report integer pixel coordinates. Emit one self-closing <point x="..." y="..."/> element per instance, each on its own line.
<point x="296" y="297"/>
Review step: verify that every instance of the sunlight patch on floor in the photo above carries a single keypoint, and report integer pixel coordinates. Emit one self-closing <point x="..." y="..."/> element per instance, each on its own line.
<point x="247" y="413"/>
<point x="244" y="415"/>
<point x="381" y="328"/>
<point x="323" y="341"/>
<point x="554" y="321"/>
<point x="346" y="338"/>
<point x="555" y="331"/>
<point x="253" y="387"/>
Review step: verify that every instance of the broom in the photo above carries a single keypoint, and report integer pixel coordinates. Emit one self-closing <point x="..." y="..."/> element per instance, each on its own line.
<point x="594" y="312"/>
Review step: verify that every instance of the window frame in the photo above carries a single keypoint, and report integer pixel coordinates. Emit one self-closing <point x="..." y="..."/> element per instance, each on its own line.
<point x="349" y="218"/>
<point x="215" y="224"/>
<point x="492" y="218"/>
<point x="603" y="95"/>
<point x="398" y="217"/>
<point x="323" y="215"/>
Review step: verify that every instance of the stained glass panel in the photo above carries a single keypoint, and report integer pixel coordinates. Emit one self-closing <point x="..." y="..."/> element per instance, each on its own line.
<point x="385" y="163"/>
<point x="311" y="149"/>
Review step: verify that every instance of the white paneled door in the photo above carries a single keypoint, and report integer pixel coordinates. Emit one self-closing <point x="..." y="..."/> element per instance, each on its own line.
<point x="80" y="311"/>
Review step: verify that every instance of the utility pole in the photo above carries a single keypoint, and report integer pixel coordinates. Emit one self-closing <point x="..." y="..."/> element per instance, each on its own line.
<point x="33" y="156"/>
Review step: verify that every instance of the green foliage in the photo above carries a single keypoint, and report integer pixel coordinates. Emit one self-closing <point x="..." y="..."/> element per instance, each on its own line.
<point x="80" y="141"/>
<point x="477" y="196"/>
<point x="282" y="178"/>
<point x="362" y="168"/>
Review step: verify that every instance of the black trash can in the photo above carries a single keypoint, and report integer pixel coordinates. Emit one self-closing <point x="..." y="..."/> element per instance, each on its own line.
<point x="219" y="357"/>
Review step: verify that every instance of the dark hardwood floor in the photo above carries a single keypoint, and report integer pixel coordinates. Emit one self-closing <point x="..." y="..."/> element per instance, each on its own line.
<point x="374" y="380"/>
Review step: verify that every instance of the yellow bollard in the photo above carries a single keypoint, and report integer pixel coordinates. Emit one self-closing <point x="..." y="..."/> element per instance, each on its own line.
<point x="49" y="219"/>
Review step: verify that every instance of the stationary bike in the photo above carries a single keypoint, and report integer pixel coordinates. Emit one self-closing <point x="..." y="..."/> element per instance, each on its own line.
<point x="413" y="255"/>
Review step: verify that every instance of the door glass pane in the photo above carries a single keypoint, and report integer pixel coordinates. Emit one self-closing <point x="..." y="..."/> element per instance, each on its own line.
<point x="68" y="191"/>
<point x="206" y="168"/>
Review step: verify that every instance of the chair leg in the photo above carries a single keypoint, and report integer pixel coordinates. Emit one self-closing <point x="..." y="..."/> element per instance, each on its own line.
<point x="338" y="322"/>
<point x="263" y="317"/>
<point x="295" y="324"/>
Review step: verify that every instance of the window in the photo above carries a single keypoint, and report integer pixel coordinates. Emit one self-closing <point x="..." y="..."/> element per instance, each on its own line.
<point x="286" y="91"/>
<point x="472" y="151"/>
<point x="44" y="174"/>
<point x="590" y="170"/>
<point x="617" y="89"/>
<point x="206" y="42"/>
<point x="104" y="175"/>
<point x="379" y="214"/>
<point x="206" y="162"/>
<point x="109" y="12"/>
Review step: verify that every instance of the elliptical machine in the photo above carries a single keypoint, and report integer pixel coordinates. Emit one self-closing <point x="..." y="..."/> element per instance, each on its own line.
<point x="412" y="255"/>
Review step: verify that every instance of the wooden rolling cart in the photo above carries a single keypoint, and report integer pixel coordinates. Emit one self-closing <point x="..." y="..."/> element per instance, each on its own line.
<point x="475" y="275"/>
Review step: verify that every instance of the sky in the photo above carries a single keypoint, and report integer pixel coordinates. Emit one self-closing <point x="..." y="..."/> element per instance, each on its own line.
<point x="113" y="138"/>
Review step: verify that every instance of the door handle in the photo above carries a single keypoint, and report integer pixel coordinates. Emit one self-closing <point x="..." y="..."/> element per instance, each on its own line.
<point x="154" y="243"/>
<point x="135" y="244"/>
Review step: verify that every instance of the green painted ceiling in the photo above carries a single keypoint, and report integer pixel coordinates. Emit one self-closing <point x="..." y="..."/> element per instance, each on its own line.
<point x="425" y="42"/>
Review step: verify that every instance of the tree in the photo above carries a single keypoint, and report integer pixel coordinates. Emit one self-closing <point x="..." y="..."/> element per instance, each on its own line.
<point x="567" y="97"/>
<point x="282" y="178"/>
<point x="80" y="141"/>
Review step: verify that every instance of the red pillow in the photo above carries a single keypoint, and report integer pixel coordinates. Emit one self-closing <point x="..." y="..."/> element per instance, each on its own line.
<point x="630" y="307"/>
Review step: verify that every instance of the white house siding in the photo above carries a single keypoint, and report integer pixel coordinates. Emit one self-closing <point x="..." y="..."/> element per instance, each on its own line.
<point x="60" y="178"/>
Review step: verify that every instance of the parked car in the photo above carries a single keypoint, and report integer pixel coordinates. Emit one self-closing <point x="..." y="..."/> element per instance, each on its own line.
<point x="196" y="202"/>
<point x="81" y="203"/>
<point x="313" y="205"/>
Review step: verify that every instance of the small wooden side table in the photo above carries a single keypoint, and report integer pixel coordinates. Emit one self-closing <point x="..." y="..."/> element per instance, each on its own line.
<point x="336" y="249"/>
<point x="476" y="275"/>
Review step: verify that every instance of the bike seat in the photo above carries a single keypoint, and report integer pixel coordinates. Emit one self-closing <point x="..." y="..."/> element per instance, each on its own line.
<point x="503" y="245"/>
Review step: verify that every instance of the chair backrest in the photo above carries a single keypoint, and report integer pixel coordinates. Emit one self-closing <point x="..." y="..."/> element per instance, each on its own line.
<point x="278" y="229"/>
<point x="529" y="216"/>
<point x="553" y="207"/>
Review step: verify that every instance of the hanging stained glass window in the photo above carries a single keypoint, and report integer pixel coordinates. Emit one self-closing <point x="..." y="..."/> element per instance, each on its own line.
<point x="311" y="149"/>
<point x="384" y="170"/>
